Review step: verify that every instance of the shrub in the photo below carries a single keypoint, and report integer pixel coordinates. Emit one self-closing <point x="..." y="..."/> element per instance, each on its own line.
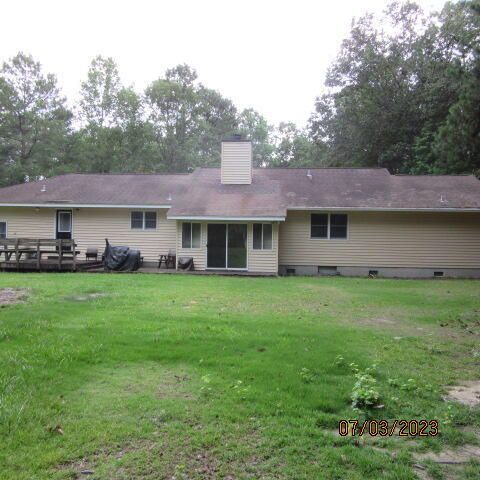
<point x="364" y="393"/>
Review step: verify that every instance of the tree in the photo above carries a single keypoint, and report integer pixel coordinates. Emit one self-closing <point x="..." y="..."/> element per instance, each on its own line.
<point x="98" y="105"/>
<point x="114" y="136"/>
<point x="255" y="127"/>
<point x="456" y="143"/>
<point x="293" y="148"/>
<point x="34" y="121"/>
<point x="392" y="92"/>
<point x="188" y="119"/>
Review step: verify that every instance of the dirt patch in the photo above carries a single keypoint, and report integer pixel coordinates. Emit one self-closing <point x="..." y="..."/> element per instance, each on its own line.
<point x="452" y="457"/>
<point x="87" y="297"/>
<point x="205" y="465"/>
<point x="156" y="462"/>
<point x="471" y="430"/>
<point x="11" y="296"/>
<point x="86" y="467"/>
<point x="468" y="323"/>
<point x="403" y="328"/>
<point x="380" y="443"/>
<point x="156" y="380"/>
<point x="174" y="386"/>
<point x="378" y="321"/>
<point x="467" y="394"/>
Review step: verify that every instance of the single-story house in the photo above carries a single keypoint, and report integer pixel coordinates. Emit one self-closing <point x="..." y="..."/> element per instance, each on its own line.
<point x="348" y="221"/>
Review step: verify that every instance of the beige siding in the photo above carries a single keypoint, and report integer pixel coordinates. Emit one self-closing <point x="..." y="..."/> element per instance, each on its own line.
<point x="236" y="163"/>
<point x="199" y="254"/>
<point x="265" y="261"/>
<point x="92" y="225"/>
<point x="27" y="222"/>
<point x="394" y="239"/>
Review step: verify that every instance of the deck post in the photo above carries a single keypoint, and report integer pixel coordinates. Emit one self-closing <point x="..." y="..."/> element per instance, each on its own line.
<point x="60" y="254"/>
<point x="17" y="257"/>
<point x="38" y="254"/>
<point x="74" y="260"/>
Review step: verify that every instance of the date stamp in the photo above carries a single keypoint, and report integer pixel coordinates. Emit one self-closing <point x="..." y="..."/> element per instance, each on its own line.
<point x="385" y="428"/>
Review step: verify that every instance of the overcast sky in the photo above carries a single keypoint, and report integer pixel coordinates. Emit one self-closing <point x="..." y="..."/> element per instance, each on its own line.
<point x="269" y="55"/>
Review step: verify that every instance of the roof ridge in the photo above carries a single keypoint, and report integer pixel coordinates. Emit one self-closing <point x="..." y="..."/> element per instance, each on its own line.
<point x="305" y="168"/>
<point x="442" y="175"/>
<point x="321" y="168"/>
<point x="115" y="173"/>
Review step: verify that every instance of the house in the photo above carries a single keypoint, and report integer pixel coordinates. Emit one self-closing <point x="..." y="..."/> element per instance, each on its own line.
<point x="348" y="221"/>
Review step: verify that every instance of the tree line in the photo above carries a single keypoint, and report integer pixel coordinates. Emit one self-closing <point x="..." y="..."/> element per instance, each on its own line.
<point x="403" y="93"/>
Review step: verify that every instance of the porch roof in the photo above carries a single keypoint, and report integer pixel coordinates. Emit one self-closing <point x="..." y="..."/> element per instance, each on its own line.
<point x="207" y="198"/>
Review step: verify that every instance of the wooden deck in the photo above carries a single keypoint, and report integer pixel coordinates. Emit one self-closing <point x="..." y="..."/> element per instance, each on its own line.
<point x="97" y="267"/>
<point x="38" y="254"/>
<point x="50" y="266"/>
<point x="229" y="273"/>
<point x="50" y="255"/>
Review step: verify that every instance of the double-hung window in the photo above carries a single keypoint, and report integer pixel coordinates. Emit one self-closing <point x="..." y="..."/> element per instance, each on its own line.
<point x="328" y="225"/>
<point x="191" y="235"/>
<point x="338" y="225"/>
<point x="262" y="236"/>
<point x="319" y="225"/>
<point x="3" y="229"/>
<point x="143" y="220"/>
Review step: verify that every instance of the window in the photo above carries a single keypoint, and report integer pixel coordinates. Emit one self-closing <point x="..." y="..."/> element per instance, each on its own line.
<point x="137" y="220"/>
<point x="64" y="222"/>
<point x="319" y="225"/>
<point x="144" y="220"/>
<point x="3" y="229"/>
<point x="150" y="220"/>
<point x="338" y="226"/>
<point x="191" y="235"/>
<point x="262" y="236"/>
<point x="325" y="225"/>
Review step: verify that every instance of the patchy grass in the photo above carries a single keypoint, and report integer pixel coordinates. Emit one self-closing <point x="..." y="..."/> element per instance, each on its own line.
<point x="9" y="296"/>
<point x="148" y="377"/>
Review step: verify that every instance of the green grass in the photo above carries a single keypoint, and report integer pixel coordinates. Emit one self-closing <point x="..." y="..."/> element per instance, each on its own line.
<point x="170" y="376"/>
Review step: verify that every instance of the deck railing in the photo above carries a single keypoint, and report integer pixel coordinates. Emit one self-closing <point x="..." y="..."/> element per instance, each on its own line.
<point x="29" y="252"/>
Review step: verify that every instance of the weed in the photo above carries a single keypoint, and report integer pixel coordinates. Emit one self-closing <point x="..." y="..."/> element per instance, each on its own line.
<point x="306" y="375"/>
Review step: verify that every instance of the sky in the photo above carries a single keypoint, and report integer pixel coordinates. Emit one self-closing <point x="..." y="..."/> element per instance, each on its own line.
<point x="268" y="55"/>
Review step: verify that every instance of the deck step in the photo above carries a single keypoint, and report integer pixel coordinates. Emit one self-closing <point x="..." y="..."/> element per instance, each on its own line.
<point x="90" y="266"/>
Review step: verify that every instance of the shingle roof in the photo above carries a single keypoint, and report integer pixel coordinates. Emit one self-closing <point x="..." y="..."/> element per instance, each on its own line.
<point x="374" y="188"/>
<point x="271" y="193"/>
<point x="207" y="197"/>
<point x="98" y="189"/>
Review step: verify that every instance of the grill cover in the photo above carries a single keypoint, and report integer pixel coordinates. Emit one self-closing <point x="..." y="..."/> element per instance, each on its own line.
<point x="121" y="259"/>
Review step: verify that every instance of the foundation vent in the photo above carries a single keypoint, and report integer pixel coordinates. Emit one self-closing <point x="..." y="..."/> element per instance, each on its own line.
<point x="327" y="270"/>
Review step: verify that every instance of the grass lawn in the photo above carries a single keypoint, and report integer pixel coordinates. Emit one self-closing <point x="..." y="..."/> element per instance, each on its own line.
<point x="171" y="376"/>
